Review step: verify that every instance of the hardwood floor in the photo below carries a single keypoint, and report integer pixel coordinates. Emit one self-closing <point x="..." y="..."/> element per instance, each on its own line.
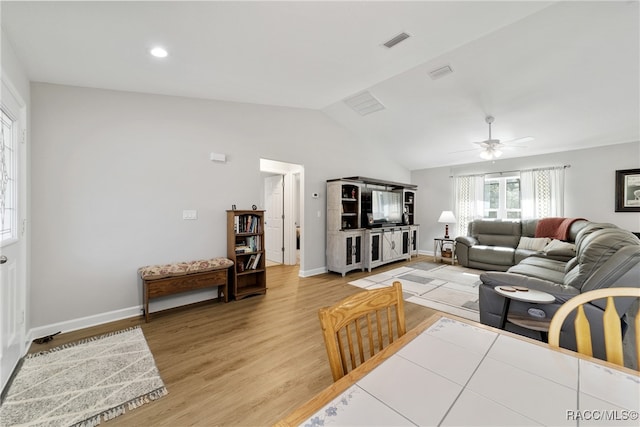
<point x="244" y="363"/>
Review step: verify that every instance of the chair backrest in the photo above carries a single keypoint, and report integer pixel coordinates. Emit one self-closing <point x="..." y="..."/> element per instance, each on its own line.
<point x="360" y="325"/>
<point x="610" y="319"/>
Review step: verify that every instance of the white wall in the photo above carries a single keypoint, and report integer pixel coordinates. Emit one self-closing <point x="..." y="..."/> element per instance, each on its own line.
<point x="112" y="172"/>
<point x="13" y="68"/>
<point x="589" y="186"/>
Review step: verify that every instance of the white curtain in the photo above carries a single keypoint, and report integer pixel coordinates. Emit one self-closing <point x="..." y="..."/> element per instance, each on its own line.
<point x="469" y="197"/>
<point x="542" y="193"/>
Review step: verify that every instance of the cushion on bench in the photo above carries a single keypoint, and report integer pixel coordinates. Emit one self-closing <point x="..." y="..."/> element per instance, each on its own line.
<point x="152" y="272"/>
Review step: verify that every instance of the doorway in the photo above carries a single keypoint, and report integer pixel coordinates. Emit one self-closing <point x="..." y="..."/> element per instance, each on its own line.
<point x="274" y="218"/>
<point x="283" y="211"/>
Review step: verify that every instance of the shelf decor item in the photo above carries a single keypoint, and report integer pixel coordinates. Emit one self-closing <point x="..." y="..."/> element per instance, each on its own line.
<point x="628" y="190"/>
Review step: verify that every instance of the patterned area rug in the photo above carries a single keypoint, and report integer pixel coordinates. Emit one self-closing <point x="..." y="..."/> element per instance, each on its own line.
<point x="448" y="288"/>
<point x="84" y="382"/>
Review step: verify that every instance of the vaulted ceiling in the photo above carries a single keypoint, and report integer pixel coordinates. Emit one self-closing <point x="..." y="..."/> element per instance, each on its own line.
<point x="565" y="73"/>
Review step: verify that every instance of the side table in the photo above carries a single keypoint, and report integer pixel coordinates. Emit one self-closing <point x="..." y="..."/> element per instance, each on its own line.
<point x="520" y="293"/>
<point x="438" y="244"/>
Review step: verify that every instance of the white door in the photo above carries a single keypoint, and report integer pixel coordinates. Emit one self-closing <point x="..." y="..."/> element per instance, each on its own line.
<point x="12" y="231"/>
<point x="273" y="199"/>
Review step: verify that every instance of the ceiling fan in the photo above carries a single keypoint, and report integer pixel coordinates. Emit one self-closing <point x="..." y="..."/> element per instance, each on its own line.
<point x="492" y="148"/>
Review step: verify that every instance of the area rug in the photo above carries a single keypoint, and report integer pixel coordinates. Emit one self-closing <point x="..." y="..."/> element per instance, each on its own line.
<point x="82" y="383"/>
<point x="448" y="288"/>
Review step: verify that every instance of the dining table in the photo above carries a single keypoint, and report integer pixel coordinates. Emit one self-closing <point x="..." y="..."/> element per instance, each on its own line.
<point x="449" y="371"/>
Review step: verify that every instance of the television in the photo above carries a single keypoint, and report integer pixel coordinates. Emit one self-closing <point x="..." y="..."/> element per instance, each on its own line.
<point x="386" y="207"/>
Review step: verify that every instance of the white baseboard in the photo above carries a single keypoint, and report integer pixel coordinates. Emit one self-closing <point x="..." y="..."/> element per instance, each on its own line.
<point x="84" y="322"/>
<point x="158" y="304"/>
<point x="314" y="272"/>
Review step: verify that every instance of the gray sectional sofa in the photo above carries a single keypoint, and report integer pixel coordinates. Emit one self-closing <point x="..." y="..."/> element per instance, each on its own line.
<point x="498" y="245"/>
<point x="605" y="256"/>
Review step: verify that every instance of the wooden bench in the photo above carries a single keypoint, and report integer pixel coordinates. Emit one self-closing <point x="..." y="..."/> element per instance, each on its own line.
<point x="169" y="279"/>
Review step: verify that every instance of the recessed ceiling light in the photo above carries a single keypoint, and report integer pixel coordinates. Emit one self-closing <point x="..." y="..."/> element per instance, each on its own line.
<point x="159" y="52"/>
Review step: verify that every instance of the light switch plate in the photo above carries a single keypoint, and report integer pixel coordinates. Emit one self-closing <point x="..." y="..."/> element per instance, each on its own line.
<point x="189" y="214"/>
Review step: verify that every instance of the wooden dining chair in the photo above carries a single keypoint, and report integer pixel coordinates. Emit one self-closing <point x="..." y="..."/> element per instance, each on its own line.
<point x="359" y="326"/>
<point x="610" y="320"/>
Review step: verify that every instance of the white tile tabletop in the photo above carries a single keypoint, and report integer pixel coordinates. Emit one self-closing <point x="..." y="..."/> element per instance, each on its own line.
<point x="355" y="407"/>
<point x="456" y="374"/>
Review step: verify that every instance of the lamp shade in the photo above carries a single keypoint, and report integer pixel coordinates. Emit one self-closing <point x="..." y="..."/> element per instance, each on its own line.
<point x="447" y="217"/>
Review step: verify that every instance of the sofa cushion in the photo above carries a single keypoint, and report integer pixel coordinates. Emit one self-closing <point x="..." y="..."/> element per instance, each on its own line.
<point x="570" y="264"/>
<point x="498" y="255"/>
<point x="498" y="240"/>
<point x="596" y="247"/>
<point x="533" y="243"/>
<point x="528" y="227"/>
<point x="558" y="247"/>
<point x="153" y="272"/>
<point x="575" y="228"/>
<point x="496" y="233"/>
<point x="523" y="253"/>
<point x="591" y="228"/>
<point x="541" y="268"/>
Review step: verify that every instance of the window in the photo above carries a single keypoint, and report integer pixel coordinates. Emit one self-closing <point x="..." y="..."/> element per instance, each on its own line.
<point x="502" y="197"/>
<point x="8" y="185"/>
<point x="524" y="194"/>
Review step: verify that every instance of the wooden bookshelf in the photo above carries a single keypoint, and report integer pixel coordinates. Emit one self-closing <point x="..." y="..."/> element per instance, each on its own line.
<point x="245" y="247"/>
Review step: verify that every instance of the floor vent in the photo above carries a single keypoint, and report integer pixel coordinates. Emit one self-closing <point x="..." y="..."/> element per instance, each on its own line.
<point x="364" y="103"/>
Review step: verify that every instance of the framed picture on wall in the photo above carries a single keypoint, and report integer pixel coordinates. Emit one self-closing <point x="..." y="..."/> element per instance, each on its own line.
<point x="628" y="190"/>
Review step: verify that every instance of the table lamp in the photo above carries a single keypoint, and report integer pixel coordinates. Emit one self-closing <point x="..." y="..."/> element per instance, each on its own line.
<point x="447" y="217"/>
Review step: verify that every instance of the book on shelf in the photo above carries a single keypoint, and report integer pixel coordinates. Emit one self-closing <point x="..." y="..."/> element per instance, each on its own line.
<point x="251" y="242"/>
<point x="249" y="262"/>
<point x="256" y="262"/>
<point x="246" y="224"/>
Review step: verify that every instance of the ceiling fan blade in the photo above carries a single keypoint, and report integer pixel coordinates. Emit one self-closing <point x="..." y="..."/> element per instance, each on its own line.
<point x="519" y="140"/>
<point x="492" y="148"/>
<point x="490" y="143"/>
<point x="464" y="151"/>
<point x="483" y="144"/>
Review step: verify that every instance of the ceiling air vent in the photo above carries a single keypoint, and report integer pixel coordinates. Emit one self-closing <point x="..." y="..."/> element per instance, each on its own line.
<point x="440" y="72"/>
<point x="364" y="103"/>
<point x="397" y="39"/>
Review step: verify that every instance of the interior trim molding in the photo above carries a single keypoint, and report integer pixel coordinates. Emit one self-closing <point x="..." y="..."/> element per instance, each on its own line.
<point x="314" y="272"/>
<point x="83" y="322"/>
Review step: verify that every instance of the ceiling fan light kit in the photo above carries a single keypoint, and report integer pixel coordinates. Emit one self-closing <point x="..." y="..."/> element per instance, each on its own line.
<point x="490" y="147"/>
<point x="490" y="154"/>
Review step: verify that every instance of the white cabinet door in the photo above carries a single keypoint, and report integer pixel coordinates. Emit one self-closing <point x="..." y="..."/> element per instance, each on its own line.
<point x="373" y="249"/>
<point x="391" y="244"/>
